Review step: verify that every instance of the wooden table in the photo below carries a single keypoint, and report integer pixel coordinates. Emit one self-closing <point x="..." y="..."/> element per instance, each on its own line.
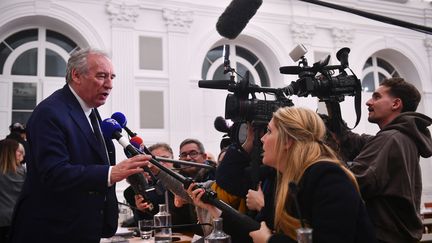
<point x="124" y="235"/>
<point x="183" y="239"/>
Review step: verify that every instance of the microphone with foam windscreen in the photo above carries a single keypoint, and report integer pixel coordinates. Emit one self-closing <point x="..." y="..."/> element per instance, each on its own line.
<point x="137" y="142"/>
<point x="221" y="125"/>
<point x="111" y="129"/>
<point x="235" y="17"/>
<point x="121" y="119"/>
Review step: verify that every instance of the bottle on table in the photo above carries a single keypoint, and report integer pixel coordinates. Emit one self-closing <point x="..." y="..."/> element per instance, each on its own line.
<point x="218" y="235"/>
<point x="162" y="219"/>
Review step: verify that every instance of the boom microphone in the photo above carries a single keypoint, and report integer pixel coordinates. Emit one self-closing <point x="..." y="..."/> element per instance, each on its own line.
<point x="291" y="69"/>
<point x="235" y="17"/>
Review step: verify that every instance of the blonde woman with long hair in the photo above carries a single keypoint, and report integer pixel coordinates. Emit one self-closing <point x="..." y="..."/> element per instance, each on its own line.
<point x="327" y="193"/>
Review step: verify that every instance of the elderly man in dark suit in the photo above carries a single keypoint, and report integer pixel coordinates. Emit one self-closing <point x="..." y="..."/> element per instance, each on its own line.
<point x="69" y="193"/>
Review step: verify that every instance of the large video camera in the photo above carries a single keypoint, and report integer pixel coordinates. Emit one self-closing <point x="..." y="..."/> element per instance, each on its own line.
<point x="318" y="80"/>
<point x="243" y="105"/>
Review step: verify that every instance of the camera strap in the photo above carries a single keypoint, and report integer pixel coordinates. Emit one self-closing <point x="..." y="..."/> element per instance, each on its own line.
<point x="357" y="104"/>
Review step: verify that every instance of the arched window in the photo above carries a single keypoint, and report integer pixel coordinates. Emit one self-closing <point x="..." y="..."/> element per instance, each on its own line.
<point x="241" y="59"/>
<point x="33" y="63"/>
<point x="375" y="70"/>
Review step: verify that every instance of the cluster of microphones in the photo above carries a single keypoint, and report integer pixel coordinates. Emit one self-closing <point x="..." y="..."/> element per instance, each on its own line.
<point x="112" y="129"/>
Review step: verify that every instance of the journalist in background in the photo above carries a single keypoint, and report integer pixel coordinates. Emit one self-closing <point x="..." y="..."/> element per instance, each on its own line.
<point x="387" y="165"/>
<point x="69" y="193"/>
<point x="327" y="192"/>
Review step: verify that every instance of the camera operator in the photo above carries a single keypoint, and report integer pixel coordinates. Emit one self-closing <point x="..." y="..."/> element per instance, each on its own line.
<point x="387" y="165"/>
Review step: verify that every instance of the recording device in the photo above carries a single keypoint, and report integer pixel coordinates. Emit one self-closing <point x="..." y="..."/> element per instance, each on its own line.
<point x="111" y="129"/>
<point x="183" y="162"/>
<point x="235" y="17"/>
<point x="138" y="144"/>
<point x="293" y="190"/>
<point x="243" y="106"/>
<point x="319" y="80"/>
<point x="121" y="119"/>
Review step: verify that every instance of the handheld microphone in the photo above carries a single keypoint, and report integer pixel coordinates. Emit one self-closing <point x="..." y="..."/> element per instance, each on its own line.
<point x="182" y="162"/>
<point x="137" y="142"/>
<point x="121" y="119"/>
<point x="235" y="17"/>
<point x="111" y="129"/>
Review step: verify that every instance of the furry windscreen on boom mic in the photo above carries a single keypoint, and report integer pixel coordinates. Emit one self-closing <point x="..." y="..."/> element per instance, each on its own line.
<point x="235" y="17"/>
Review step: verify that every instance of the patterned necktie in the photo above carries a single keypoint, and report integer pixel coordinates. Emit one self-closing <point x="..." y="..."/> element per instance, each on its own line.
<point x="96" y="130"/>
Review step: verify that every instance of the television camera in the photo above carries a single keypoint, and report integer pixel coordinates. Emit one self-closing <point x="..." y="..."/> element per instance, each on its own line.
<point x="318" y="80"/>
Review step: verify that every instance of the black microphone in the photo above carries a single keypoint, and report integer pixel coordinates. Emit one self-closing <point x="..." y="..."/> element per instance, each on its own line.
<point x="293" y="189"/>
<point x="216" y="84"/>
<point x="221" y="125"/>
<point x="235" y="17"/>
<point x="111" y="129"/>
<point x="292" y="69"/>
<point x="182" y="162"/>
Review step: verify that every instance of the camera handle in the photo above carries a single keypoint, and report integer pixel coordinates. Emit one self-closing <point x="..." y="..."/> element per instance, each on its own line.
<point x="334" y="111"/>
<point x="256" y="160"/>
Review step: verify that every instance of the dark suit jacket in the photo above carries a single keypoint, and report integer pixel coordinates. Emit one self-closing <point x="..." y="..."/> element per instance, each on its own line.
<point x="65" y="197"/>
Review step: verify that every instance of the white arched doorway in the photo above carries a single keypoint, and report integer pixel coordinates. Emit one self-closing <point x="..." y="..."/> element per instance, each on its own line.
<point x="33" y="55"/>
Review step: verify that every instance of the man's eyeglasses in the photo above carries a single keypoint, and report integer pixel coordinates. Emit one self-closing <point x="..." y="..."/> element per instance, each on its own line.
<point x="193" y="154"/>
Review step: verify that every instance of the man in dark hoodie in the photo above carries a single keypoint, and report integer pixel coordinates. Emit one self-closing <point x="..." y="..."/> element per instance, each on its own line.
<point x="387" y="165"/>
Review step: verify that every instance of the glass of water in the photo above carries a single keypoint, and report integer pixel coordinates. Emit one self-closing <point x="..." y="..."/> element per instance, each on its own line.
<point x="145" y="228"/>
<point x="304" y="235"/>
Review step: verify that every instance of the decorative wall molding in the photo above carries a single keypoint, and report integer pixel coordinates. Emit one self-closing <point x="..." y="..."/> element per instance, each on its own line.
<point x="122" y="14"/>
<point x="428" y="45"/>
<point x="303" y="33"/>
<point x="178" y="20"/>
<point x="342" y="36"/>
